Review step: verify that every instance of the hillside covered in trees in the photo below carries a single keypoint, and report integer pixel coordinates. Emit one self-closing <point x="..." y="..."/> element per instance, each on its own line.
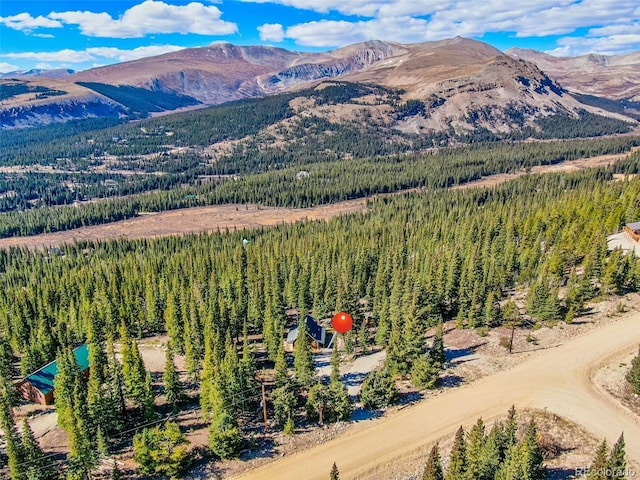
<point x="411" y="262"/>
<point x="345" y="135"/>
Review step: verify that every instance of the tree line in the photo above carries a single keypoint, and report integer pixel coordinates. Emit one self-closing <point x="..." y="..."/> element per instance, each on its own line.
<point x="324" y="182"/>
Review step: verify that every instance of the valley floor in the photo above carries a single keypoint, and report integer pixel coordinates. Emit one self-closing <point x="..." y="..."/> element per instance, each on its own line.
<point x="239" y="217"/>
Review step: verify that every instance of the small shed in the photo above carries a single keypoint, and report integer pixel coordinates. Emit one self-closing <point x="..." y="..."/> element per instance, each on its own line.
<point x="38" y="387"/>
<point x="633" y="230"/>
<point x="316" y="332"/>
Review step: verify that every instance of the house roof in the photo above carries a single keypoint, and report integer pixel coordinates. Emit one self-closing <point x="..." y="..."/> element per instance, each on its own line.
<point x="634" y="225"/>
<point x="44" y="379"/>
<point x="314" y="330"/>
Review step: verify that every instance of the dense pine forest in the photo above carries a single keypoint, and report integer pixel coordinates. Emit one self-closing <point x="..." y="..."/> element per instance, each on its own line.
<point x="409" y="263"/>
<point x="299" y="186"/>
<point x="224" y="301"/>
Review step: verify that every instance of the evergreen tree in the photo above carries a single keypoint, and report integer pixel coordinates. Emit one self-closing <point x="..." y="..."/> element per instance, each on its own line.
<point x="6" y="371"/>
<point x="492" y="453"/>
<point x="318" y="406"/>
<point x="510" y="429"/>
<point x="618" y="459"/>
<point x="66" y="380"/>
<point x="148" y="400"/>
<point x="133" y="369"/>
<point x="225" y="438"/>
<point x="102" y="444"/>
<point x="511" y="467"/>
<point x="531" y="455"/>
<point x="284" y="401"/>
<point x="302" y="358"/>
<point x="335" y="376"/>
<point x="12" y="440"/>
<point x="161" y="450"/>
<point x="171" y="381"/>
<point x="424" y="373"/>
<point x="492" y="314"/>
<point x="437" y="353"/>
<point x="474" y="453"/>
<point x="280" y="368"/>
<point x="173" y="322"/>
<point x="458" y="457"/>
<point x="633" y="375"/>
<point x="82" y="453"/>
<point x="115" y="384"/>
<point x="598" y="469"/>
<point x="433" y="469"/>
<point x="116" y="474"/>
<point x="378" y="390"/>
<point x="341" y="401"/>
<point x="37" y="467"/>
<point x="334" y="474"/>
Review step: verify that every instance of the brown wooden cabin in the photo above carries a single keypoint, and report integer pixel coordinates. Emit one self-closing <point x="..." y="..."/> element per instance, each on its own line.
<point x="38" y="387"/>
<point x="633" y="230"/>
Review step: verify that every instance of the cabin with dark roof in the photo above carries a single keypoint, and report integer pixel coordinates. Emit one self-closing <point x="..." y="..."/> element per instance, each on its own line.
<point x="39" y="386"/>
<point x="633" y="230"/>
<point x="316" y="332"/>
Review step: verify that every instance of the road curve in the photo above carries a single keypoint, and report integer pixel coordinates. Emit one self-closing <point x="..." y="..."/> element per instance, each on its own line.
<point x="557" y="379"/>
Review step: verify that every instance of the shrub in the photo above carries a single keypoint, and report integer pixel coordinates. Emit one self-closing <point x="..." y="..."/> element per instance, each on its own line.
<point x="378" y="390"/>
<point x="633" y="375"/>
<point x="161" y="450"/>
<point x="225" y="438"/>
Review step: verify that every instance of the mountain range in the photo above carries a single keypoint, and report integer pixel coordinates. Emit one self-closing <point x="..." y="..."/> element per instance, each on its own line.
<point x="456" y="84"/>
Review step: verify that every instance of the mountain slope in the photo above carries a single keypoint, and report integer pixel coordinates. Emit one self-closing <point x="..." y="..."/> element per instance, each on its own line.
<point x="36" y="101"/>
<point x="456" y="86"/>
<point x="613" y="77"/>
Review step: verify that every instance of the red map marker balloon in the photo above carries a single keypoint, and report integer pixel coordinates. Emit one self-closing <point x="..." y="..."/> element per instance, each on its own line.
<point x="342" y="322"/>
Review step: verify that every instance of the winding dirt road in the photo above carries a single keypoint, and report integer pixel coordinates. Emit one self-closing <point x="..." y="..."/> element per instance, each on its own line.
<point x="557" y="379"/>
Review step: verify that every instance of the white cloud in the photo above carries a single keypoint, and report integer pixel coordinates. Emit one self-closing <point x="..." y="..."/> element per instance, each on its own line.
<point x="7" y="67"/>
<point x="136" y="53"/>
<point x="326" y="33"/>
<point x="25" y="22"/>
<point x="66" y="56"/>
<point x="271" y="32"/>
<point x="620" y="29"/>
<point x="150" y="17"/>
<point x="610" y="45"/>
<point x="365" y="8"/>
<point x="97" y="54"/>
<point x="423" y="20"/>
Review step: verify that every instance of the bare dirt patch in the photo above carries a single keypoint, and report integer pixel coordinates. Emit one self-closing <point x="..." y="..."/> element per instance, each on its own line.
<point x="189" y="220"/>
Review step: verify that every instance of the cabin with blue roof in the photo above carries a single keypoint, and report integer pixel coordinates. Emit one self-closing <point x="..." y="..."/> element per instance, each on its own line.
<point x="317" y="334"/>
<point x="39" y="386"/>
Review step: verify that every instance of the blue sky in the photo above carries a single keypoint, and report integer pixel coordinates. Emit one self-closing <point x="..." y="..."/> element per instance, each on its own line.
<point x="81" y="34"/>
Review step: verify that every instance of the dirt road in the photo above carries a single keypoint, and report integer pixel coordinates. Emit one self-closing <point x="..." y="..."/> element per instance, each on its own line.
<point x="557" y="379"/>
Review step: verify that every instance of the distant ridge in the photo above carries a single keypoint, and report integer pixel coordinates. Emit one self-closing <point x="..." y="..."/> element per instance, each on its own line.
<point x="462" y="84"/>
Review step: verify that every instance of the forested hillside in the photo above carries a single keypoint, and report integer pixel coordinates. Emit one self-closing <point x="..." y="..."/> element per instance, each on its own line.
<point x="338" y="128"/>
<point x="409" y="263"/>
<point x="299" y="186"/>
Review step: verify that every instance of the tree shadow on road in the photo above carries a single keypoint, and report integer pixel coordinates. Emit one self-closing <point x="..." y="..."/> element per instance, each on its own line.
<point x="561" y="473"/>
